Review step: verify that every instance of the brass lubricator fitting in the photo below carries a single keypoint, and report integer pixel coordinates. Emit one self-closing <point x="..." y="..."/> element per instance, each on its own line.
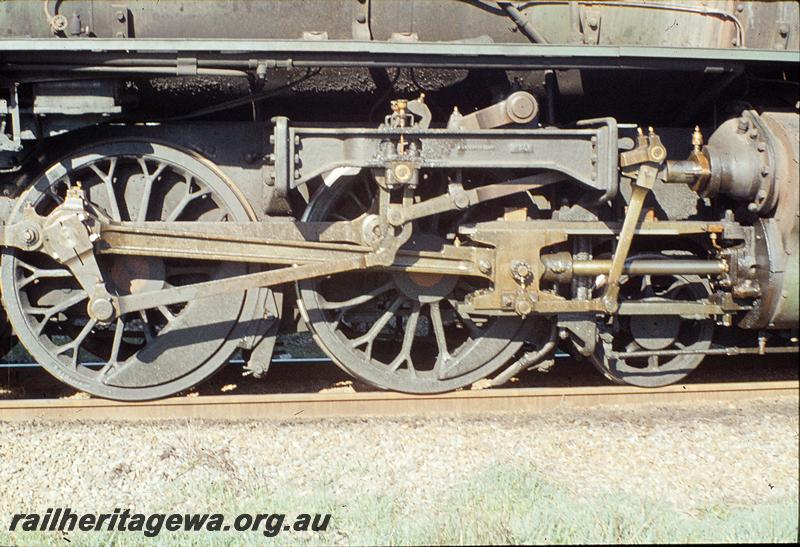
<point x="695" y="170"/>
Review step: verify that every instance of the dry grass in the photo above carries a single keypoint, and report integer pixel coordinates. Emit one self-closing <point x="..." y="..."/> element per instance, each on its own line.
<point x="503" y="506"/>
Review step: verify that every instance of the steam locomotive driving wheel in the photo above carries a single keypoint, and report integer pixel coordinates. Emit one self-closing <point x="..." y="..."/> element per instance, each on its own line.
<point x="399" y="330"/>
<point x="655" y="350"/>
<point x="148" y="354"/>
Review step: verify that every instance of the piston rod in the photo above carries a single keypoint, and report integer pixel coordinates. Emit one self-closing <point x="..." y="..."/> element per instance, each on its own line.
<point x="561" y="268"/>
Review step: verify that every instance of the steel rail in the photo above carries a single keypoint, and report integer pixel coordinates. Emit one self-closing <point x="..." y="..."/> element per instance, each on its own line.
<point x="350" y="405"/>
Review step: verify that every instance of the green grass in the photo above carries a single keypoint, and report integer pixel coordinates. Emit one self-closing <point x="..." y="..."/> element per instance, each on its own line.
<point x="502" y="506"/>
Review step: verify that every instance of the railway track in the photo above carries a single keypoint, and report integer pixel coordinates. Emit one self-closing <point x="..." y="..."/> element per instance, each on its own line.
<point x="330" y="405"/>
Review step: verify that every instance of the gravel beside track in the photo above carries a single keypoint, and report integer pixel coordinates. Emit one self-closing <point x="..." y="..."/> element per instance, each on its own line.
<point x="692" y="456"/>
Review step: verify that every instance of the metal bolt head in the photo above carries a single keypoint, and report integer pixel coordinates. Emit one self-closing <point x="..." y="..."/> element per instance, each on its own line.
<point x="485" y="266"/>
<point x="461" y="200"/>
<point x="592" y="21"/>
<point x="120" y="16"/>
<point x="101" y="309"/>
<point x="783" y="31"/>
<point x="523" y="307"/>
<point x="402" y="172"/>
<point x="395" y="217"/>
<point x="522" y="270"/>
<point x="761" y="146"/>
<point x="29" y="236"/>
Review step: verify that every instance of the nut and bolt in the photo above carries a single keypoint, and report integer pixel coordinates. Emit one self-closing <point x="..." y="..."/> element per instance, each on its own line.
<point x="523" y="270"/>
<point x="484" y="266"/>
<point x="783" y="31"/>
<point x="523" y="307"/>
<point x="29" y="236"/>
<point x="120" y="16"/>
<point x="592" y="21"/>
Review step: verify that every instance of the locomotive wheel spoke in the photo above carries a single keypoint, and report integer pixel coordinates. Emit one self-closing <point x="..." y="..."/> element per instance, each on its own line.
<point x="166" y="312"/>
<point x="148" y="188"/>
<point x="113" y="360"/>
<point x="147" y="328"/>
<point x="438" y="331"/>
<point x="50" y="312"/>
<point x="358" y="300"/>
<point x="75" y="345"/>
<point x="41" y="273"/>
<point x="186" y="200"/>
<point x="369" y="337"/>
<point x="408" y="340"/>
<point x="108" y="183"/>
